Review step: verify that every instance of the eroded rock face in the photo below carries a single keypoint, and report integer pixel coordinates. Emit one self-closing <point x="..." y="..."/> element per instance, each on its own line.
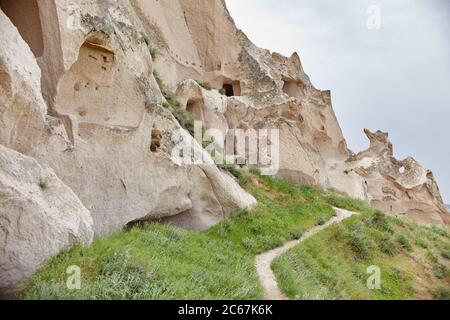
<point x="39" y="217"/>
<point x="392" y="185"/>
<point x="97" y="134"/>
<point x="89" y="108"/>
<point x="252" y="88"/>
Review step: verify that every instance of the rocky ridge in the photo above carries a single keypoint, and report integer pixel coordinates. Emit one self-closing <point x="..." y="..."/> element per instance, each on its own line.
<point x="87" y="132"/>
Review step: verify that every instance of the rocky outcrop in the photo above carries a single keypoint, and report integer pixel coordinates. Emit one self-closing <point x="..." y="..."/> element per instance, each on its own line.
<point x="39" y="217"/>
<point x="392" y="185"/>
<point x="88" y="107"/>
<point x="97" y="132"/>
<point x="78" y="95"/>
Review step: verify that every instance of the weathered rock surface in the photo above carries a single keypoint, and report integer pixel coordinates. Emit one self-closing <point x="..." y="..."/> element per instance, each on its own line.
<point x="39" y="217"/>
<point x="78" y="95"/>
<point x="392" y="185"/>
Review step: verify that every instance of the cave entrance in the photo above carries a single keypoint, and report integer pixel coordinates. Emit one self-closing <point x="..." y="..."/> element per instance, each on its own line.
<point x="24" y="14"/>
<point x="232" y="89"/>
<point x="228" y="89"/>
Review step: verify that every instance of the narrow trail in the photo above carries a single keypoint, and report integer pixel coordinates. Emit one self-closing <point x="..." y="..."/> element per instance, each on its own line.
<point x="267" y="278"/>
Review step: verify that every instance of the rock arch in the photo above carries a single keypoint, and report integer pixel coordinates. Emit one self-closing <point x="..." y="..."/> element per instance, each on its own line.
<point x="196" y="108"/>
<point x="24" y="14"/>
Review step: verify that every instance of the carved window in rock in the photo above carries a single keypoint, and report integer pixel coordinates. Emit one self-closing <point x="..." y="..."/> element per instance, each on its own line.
<point x="100" y="89"/>
<point x="232" y="89"/>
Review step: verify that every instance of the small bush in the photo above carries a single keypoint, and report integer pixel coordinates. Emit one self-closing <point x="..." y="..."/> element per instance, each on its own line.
<point x="380" y="221"/>
<point x="183" y="117"/>
<point x="387" y="246"/>
<point x="445" y="253"/>
<point x="153" y="52"/>
<point x="404" y="242"/>
<point x="237" y="173"/>
<point x="296" y="234"/>
<point x="422" y="243"/>
<point x="249" y="244"/>
<point x="440" y="231"/>
<point x="321" y="221"/>
<point x="359" y="242"/>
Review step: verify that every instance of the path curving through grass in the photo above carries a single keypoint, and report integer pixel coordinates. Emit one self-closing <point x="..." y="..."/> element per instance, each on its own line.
<point x="271" y="290"/>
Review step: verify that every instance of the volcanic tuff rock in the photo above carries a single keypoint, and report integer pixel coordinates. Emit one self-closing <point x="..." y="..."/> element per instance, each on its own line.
<point x="39" y="216"/>
<point x="78" y="95"/>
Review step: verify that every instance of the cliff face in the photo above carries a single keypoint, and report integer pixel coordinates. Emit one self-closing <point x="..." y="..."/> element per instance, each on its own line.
<point x="80" y="97"/>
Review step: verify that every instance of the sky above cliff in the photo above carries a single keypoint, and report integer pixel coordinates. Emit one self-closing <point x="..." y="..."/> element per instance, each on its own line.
<point x="386" y="62"/>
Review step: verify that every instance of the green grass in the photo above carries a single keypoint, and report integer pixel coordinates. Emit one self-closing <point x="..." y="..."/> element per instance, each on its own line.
<point x="165" y="262"/>
<point x="333" y="264"/>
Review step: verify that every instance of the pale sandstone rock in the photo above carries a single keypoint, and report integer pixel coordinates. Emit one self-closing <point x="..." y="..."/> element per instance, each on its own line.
<point x="273" y="91"/>
<point x="39" y="217"/>
<point x="402" y="187"/>
<point x="95" y="126"/>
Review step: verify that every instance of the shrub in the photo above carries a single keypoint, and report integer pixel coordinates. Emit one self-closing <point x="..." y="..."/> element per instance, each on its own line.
<point x="153" y="52"/>
<point x="183" y="117"/>
<point x="404" y="242"/>
<point x="380" y="221"/>
<point x="296" y="234"/>
<point x="440" y="271"/>
<point x="321" y="221"/>
<point x="422" y="243"/>
<point x="359" y="242"/>
<point x="249" y="244"/>
<point x="445" y="253"/>
<point x="237" y="173"/>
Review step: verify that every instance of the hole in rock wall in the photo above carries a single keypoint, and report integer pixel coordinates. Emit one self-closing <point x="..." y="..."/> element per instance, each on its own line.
<point x="232" y="89"/>
<point x="293" y="89"/>
<point x="24" y="14"/>
<point x="228" y="89"/>
<point x="99" y="89"/>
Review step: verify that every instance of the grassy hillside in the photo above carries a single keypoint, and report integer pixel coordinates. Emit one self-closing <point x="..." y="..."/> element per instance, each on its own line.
<point x="413" y="260"/>
<point x="164" y="262"/>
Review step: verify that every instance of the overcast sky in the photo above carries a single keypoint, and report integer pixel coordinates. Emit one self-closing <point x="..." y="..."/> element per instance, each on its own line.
<point x="395" y="78"/>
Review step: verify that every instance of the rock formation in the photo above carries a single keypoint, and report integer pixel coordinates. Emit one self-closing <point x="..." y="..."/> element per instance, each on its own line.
<point x="78" y="95"/>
